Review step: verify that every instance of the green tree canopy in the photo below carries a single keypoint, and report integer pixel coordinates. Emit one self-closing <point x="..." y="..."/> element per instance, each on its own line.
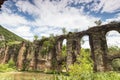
<point x="98" y="23"/>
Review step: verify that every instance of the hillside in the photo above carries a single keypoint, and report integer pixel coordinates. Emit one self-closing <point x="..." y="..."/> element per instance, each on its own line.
<point x="9" y="36"/>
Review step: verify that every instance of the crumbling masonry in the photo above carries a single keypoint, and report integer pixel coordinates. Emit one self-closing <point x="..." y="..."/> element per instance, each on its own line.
<point x="28" y="56"/>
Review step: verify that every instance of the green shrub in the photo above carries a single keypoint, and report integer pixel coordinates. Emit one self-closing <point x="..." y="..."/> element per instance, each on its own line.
<point x="82" y="69"/>
<point x="10" y="66"/>
<point x="116" y="64"/>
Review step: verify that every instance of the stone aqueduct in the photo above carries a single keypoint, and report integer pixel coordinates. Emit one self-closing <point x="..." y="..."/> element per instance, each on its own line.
<point x="97" y="40"/>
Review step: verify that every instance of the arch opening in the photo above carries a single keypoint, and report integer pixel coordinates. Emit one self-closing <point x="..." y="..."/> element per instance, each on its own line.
<point x="113" y="38"/>
<point x="113" y="43"/>
<point x="85" y="45"/>
<point x="85" y="42"/>
<point x="64" y="48"/>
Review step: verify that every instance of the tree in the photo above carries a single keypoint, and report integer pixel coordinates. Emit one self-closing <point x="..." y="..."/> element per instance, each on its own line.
<point x="64" y="31"/>
<point x="76" y="30"/>
<point x="98" y="23"/>
<point x="35" y="37"/>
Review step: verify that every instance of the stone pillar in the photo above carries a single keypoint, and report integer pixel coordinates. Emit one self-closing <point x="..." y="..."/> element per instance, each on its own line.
<point x="35" y="51"/>
<point x="59" y="49"/>
<point x="73" y="49"/>
<point x="97" y="52"/>
<point x="104" y="48"/>
<point x="6" y="56"/>
<point x="21" y="57"/>
<point x="69" y="53"/>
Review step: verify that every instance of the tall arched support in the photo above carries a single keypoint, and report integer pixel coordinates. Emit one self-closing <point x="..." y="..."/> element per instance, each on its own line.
<point x="21" y="57"/>
<point x="97" y="52"/>
<point x="6" y="56"/>
<point x="59" y="49"/>
<point x="35" y="51"/>
<point x="104" y="49"/>
<point x="73" y="48"/>
<point x="69" y="53"/>
<point x="92" y="52"/>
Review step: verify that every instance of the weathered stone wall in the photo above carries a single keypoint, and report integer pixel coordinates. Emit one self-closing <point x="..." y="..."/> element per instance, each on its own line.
<point x="28" y="56"/>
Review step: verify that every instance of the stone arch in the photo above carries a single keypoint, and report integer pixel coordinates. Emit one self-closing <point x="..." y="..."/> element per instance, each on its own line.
<point x="58" y="52"/>
<point x="59" y="45"/>
<point x="85" y="43"/>
<point x="111" y="28"/>
<point x="113" y="37"/>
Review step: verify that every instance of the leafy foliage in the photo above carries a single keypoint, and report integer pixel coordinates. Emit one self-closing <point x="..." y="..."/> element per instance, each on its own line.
<point x="48" y="45"/>
<point x="64" y="51"/>
<point x="83" y="70"/>
<point x="83" y="67"/>
<point x="64" y="31"/>
<point x="98" y="23"/>
<point x="116" y="64"/>
<point x="114" y="50"/>
<point x="35" y="37"/>
<point x="10" y="66"/>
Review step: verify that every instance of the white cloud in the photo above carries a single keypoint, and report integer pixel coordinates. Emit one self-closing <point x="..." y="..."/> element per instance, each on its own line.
<point x="86" y="42"/>
<point x="116" y="18"/>
<point x="24" y="31"/>
<point x="108" y="6"/>
<point x="12" y="19"/>
<point x="27" y="7"/>
<point x="113" y="38"/>
<point x="54" y="14"/>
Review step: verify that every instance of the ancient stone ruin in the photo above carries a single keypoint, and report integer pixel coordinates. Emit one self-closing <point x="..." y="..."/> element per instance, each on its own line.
<point x="29" y="56"/>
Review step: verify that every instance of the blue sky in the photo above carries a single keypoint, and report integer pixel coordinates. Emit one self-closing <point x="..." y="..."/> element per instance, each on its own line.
<point x="43" y="17"/>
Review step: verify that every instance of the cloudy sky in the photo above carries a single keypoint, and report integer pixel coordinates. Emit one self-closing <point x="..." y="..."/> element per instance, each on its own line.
<point x="43" y="17"/>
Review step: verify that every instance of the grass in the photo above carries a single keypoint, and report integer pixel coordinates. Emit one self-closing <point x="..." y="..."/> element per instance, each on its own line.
<point x="43" y="76"/>
<point x="9" y="36"/>
<point x="25" y="76"/>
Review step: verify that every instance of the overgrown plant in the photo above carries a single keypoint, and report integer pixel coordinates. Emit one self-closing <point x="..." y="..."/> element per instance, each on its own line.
<point x="48" y="45"/>
<point x="83" y="67"/>
<point x="10" y="66"/>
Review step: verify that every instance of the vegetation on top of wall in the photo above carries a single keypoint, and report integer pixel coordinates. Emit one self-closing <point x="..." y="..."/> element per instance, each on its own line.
<point x="48" y="45"/>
